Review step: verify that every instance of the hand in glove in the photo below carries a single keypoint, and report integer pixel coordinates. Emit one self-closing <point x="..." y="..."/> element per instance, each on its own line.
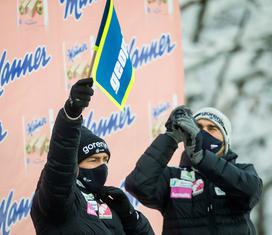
<point x="80" y="96"/>
<point x="191" y="134"/>
<point x="172" y="123"/>
<point x="116" y="199"/>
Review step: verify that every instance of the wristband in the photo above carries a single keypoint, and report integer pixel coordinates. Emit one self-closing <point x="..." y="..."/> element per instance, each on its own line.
<point x="71" y="118"/>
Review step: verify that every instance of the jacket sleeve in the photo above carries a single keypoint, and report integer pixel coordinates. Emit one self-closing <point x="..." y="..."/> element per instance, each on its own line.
<point x="237" y="180"/>
<point x="138" y="226"/>
<point x="54" y="195"/>
<point x="149" y="180"/>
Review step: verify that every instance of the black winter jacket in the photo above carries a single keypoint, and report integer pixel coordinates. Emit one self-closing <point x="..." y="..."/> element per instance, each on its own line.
<point x="59" y="206"/>
<point x="212" y="198"/>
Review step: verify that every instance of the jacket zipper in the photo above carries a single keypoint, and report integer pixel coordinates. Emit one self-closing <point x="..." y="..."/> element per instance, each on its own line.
<point x="210" y="211"/>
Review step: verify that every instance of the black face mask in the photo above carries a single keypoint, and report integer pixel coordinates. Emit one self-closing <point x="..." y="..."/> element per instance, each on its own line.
<point x="93" y="179"/>
<point x="210" y="143"/>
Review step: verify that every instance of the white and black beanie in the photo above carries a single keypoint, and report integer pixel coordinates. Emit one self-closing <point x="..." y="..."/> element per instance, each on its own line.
<point x="220" y="120"/>
<point x="90" y="144"/>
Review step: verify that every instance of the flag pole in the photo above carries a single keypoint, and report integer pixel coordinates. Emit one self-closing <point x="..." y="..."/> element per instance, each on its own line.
<point x="91" y="65"/>
<point x="100" y="32"/>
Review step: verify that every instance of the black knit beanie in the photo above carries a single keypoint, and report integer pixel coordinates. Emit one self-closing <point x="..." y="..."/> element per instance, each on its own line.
<point x="90" y="144"/>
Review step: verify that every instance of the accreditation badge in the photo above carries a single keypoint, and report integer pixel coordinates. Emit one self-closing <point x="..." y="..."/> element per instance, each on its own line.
<point x="187" y="175"/>
<point x="92" y="208"/>
<point x="180" y="188"/>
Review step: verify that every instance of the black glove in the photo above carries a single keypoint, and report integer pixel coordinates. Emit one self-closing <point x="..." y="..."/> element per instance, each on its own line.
<point x="172" y="128"/>
<point x="192" y="136"/>
<point x="116" y="199"/>
<point x="80" y="96"/>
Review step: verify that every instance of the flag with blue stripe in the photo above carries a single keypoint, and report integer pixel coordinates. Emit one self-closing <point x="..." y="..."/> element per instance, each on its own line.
<point x="112" y="68"/>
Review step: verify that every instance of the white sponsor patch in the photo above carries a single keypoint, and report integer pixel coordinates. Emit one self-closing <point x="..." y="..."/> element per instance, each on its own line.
<point x="187" y="175"/>
<point x="219" y="191"/>
<point x="88" y="197"/>
<point x="174" y="182"/>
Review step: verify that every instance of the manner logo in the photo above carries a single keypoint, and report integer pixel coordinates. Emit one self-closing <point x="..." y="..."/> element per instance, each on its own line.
<point x="160" y="109"/>
<point x="149" y="52"/>
<point x="75" y="7"/>
<point x="35" y="125"/>
<point x="11" y="212"/>
<point x="3" y="133"/>
<point x="20" y="67"/>
<point x="75" y="51"/>
<point x="116" y="121"/>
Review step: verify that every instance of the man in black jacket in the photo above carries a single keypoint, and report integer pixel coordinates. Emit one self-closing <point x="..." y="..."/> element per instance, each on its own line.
<point x="71" y="198"/>
<point x="209" y="194"/>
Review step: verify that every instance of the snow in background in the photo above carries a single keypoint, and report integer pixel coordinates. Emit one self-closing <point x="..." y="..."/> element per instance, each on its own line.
<point x="228" y="65"/>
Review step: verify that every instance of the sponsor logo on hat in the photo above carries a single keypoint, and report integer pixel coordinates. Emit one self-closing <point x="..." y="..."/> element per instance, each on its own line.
<point x="212" y="117"/>
<point x="96" y="145"/>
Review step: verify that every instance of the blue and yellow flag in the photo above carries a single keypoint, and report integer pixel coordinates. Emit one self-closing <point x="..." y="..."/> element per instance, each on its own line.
<point x="112" y="68"/>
